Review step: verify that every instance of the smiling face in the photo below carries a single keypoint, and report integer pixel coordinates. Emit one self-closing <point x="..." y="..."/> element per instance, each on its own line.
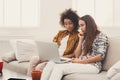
<point x="82" y="25"/>
<point x="69" y="25"/>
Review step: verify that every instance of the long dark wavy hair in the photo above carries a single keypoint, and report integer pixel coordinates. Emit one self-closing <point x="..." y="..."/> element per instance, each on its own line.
<point x="91" y="33"/>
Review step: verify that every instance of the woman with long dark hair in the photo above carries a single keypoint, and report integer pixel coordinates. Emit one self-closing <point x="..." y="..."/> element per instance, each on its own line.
<point x="90" y="52"/>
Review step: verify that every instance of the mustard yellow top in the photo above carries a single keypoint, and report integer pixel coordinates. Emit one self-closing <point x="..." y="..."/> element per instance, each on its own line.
<point x="71" y="43"/>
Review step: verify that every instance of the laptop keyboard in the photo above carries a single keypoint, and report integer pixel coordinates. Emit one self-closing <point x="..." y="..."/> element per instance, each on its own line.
<point x="65" y="59"/>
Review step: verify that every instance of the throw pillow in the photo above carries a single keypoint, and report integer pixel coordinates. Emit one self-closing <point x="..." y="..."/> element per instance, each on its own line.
<point x="10" y="56"/>
<point x="113" y="70"/>
<point x="24" y="49"/>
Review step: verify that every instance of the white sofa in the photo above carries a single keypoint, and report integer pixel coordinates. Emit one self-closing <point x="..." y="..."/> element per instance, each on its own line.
<point x="112" y="56"/>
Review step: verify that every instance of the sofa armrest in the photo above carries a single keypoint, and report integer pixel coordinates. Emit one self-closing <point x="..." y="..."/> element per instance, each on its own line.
<point x="116" y="77"/>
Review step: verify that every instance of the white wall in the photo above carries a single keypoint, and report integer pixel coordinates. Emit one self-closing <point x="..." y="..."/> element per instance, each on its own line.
<point x="105" y="12"/>
<point x="111" y="31"/>
<point x="15" y="13"/>
<point x="49" y="16"/>
<point x="50" y="13"/>
<point x="49" y="25"/>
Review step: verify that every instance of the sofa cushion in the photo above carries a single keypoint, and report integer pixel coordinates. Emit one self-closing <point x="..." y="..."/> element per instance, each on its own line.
<point x="17" y="67"/>
<point x="24" y="49"/>
<point x="113" y="54"/>
<point x="114" y="70"/>
<point x="77" y="76"/>
<point x="9" y="56"/>
<point x="116" y="77"/>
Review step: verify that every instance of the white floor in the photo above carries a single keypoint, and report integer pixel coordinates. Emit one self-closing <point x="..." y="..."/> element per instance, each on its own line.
<point x="10" y="74"/>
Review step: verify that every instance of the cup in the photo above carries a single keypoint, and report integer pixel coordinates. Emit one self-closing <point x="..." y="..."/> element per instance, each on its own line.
<point x="36" y="74"/>
<point x="1" y="66"/>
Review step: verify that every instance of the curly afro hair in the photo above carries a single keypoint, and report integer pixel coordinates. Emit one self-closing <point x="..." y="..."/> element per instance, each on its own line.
<point x="72" y="15"/>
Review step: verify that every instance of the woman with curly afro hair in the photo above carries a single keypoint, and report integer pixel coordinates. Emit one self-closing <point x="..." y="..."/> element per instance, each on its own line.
<point x="67" y="39"/>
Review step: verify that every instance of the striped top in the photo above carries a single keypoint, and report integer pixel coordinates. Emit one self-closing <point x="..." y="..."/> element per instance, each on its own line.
<point x="99" y="47"/>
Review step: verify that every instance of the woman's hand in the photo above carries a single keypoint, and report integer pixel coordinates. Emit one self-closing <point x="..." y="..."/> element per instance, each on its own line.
<point x="81" y="35"/>
<point x="76" y="60"/>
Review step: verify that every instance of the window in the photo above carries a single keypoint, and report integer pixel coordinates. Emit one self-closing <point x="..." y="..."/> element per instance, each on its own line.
<point x="105" y="12"/>
<point x="19" y="13"/>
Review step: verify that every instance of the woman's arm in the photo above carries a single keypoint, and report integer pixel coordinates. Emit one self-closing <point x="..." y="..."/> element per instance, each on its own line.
<point x="78" y="50"/>
<point x="69" y="56"/>
<point x="89" y="60"/>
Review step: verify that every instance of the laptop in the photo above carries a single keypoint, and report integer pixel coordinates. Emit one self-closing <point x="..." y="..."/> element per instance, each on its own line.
<point x="49" y="51"/>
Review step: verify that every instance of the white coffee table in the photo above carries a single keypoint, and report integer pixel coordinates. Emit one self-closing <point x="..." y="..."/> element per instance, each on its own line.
<point x="10" y="74"/>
